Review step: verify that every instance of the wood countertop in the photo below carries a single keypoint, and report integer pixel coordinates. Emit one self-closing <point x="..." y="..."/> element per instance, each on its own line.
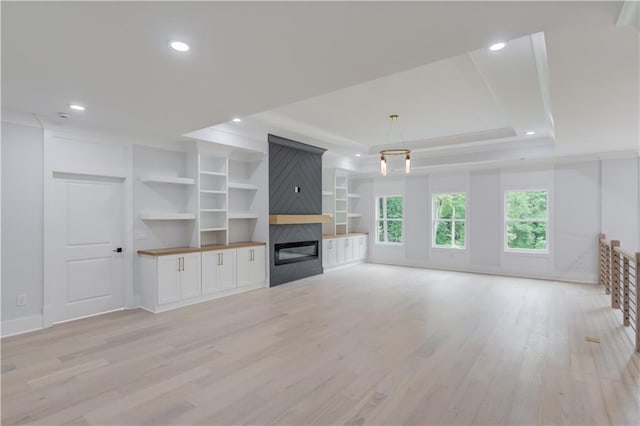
<point x="351" y="234"/>
<point x="185" y="250"/>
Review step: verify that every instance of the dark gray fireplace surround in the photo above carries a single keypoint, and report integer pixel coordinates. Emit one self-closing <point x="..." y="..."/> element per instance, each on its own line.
<point x="295" y="187"/>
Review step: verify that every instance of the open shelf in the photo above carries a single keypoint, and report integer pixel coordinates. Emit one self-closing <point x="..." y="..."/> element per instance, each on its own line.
<point x="168" y="179"/>
<point x="242" y="215"/>
<point x="240" y="185"/>
<point x="354" y="215"/>
<point x="204" y="172"/>
<point x="211" y="191"/>
<point x="167" y="216"/>
<point x="212" y="229"/>
<point x="213" y="210"/>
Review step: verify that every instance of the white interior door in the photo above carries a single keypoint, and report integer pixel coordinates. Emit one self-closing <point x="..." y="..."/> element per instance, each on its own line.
<point x="86" y="263"/>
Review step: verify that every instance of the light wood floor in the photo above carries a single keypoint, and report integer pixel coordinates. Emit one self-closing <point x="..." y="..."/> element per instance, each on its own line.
<point x="371" y="344"/>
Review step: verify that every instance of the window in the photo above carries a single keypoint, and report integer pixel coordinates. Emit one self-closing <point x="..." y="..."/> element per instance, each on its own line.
<point x="526" y="216"/>
<point x="389" y="219"/>
<point x="449" y="216"/>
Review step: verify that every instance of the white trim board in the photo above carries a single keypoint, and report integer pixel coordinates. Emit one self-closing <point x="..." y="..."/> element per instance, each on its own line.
<point x="21" y="325"/>
<point x="591" y="279"/>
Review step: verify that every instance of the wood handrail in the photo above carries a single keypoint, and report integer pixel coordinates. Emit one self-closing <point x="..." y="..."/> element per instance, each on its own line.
<point x="627" y="254"/>
<point x="614" y="273"/>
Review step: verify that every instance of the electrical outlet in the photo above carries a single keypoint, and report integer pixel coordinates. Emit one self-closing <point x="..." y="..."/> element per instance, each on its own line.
<point x="21" y="300"/>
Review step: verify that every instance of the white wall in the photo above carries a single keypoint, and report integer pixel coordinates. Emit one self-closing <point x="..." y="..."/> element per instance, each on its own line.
<point x="620" y="202"/>
<point x="22" y="224"/>
<point x="576" y="198"/>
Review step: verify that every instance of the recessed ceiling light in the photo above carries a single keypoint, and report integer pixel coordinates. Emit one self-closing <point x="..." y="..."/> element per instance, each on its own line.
<point x="530" y="132"/>
<point x="357" y="155"/>
<point x="179" y="46"/>
<point x="236" y="120"/>
<point x="497" y="46"/>
<point x="77" y="107"/>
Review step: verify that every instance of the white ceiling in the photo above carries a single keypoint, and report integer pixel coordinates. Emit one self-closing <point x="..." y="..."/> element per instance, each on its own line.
<point x="249" y="57"/>
<point x="472" y="97"/>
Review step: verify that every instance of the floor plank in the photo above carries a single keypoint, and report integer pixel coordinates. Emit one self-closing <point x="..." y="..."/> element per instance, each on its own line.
<point x="371" y="344"/>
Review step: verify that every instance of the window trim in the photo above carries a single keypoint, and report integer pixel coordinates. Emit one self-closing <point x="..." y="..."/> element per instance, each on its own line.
<point x="385" y="220"/>
<point x="505" y="220"/>
<point x="433" y="221"/>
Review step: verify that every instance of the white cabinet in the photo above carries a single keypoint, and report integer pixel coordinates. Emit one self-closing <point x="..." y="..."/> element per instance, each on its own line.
<point x="168" y="272"/>
<point x="250" y="265"/>
<point x="218" y="271"/>
<point x="190" y="282"/>
<point x="343" y="250"/>
<point x="363" y="243"/>
<point x="178" y="277"/>
<point x="328" y="253"/>
<point x="169" y="281"/>
<point x="348" y="249"/>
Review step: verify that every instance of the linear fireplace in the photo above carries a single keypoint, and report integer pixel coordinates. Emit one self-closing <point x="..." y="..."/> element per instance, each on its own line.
<point x="296" y="252"/>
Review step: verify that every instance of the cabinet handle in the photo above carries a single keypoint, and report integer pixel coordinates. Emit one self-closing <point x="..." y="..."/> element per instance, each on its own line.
<point x="221" y="259"/>
<point x="218" y="255"/>
<point x="178" y="259"/>
<point x="183" y="263"/>
<point x="250" y="255"/>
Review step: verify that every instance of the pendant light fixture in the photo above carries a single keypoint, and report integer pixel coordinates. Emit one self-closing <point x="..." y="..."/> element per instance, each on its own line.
<point x="395" y="151"/>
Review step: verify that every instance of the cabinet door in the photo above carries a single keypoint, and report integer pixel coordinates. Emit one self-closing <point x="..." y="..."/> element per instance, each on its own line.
<point x="190" y="283"/>
<point x="364" y="246"/>
<point x="340" y="250"/>
<point x="225" y="271"/>
<point x="243" y="256"/>
<point x="348" y="249"/>
<point x="168" y="279"/>
<point x="210" y="262"/>
<point x="355" y="247"/>
<point x="257" y="265"/>
<point x="328" y="253"/>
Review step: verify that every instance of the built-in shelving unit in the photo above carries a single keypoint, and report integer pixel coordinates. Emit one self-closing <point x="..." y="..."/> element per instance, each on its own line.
<point x="340" y="218"/>
<point x="354" y="205"/>
<point x="212" y="177"/>
<point x="340" y="199"/>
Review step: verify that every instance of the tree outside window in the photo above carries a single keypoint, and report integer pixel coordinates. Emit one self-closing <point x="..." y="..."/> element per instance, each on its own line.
<point x="389" y="215"/>
<point x="526" y="217"/>
<point x="449" y="220"/>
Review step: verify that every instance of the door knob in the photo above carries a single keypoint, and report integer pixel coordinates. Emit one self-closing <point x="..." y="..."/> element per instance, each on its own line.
<point x="118" y="250"/>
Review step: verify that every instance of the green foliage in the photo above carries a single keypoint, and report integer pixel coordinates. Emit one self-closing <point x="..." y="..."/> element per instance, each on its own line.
<point x="394" y="231"/>
<point x="394" y="211"/>
<point x="526" y="220"/>
<point x="449" y="206"/>
<point x="394" y="207"/>
<point x="527" y="205"/>
<point x="450" y="231"/>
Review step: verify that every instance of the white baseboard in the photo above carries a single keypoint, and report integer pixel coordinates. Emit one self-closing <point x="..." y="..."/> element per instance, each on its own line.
<point x="21" y="325"/>
<point x="586" y="279"/>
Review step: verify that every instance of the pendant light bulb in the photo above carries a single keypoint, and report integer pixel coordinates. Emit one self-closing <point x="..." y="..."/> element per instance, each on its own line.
<point x="407" y="164"/>
<point x="383" y="165"/>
